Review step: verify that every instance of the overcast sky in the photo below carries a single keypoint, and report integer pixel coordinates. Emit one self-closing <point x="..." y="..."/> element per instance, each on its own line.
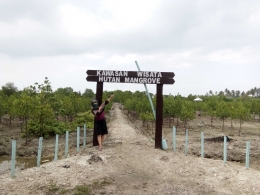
<point x="209" y="45"/>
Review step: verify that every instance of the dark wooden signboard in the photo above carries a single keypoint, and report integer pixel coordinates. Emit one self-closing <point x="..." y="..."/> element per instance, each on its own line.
<point x="140" y="80"/>
<point x="140" y="77"/>
<point x="116" y="73"/>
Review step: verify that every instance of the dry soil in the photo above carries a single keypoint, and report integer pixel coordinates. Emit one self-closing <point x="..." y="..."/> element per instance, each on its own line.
<point x="129" y="164"/>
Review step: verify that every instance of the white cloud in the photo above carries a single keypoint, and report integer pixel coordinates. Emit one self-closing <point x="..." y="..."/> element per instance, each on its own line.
<point x="111" y="16"/>
<point x="117" y="59"/>
<point x="208" y="45"/>
<point x="230" y="56"/>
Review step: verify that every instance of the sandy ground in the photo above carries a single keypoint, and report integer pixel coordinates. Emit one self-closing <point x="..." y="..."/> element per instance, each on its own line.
<point x="129" y="164"/>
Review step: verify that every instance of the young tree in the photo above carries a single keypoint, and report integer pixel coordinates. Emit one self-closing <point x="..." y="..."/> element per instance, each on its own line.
<point x="129" y="105"/>
<point x="43" y="116"/>
<point x="237" y="93"/>
<point x="191" y="97"/>
<point x="142" y="106"/>
<point x="24" y="107"/>
<point x="211" y="107"/>
<point x="242" y="114"/>
<point x="222" y="111"/>
<point x="67" y="108"/>
<point x="227" y="92"/>
<point x="177" y="106"/>
<point x="220" y="93"/>
<point x="232" y="113"/>
<point x="187" y="111"/>
<point x="64" y="91"/>
<point x="168" y="110"/>
<point x="198" y="106"/>
<point x="76" y="102"/>
<point x="255" y="108"/>
<point x="233" y="93"/>
<point x="56" y="104"/>
<point x="9" y="89"/>
<point x="88" y="93"/>
<point x="3" y="100"/>
<point x="146" y="117"/>
<point x="10" y="110"/>
<point x="140" y="94"/>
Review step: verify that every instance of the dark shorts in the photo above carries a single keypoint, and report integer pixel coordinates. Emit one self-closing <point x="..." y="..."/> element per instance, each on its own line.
<point x="101" y="127"/>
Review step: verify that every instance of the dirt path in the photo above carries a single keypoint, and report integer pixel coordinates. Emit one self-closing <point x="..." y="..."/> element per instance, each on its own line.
<point x="129" y="164"/>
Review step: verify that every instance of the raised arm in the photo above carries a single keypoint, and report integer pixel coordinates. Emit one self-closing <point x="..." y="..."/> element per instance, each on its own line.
<point x="103" y="104"/>
<point x="111" y="97"/>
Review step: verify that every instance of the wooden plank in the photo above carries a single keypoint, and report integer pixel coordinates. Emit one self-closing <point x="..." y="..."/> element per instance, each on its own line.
<point x="137" y="80"/>
<point x="119" y="73"/>
<point x="159" y="116"/>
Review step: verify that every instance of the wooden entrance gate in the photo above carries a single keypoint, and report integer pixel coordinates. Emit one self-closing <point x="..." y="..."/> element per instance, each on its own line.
<point x="141" y="77"/>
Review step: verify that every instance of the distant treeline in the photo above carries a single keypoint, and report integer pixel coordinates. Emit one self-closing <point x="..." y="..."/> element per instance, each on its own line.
<point x="44" y="112"/>
<point x="254" y="92"/>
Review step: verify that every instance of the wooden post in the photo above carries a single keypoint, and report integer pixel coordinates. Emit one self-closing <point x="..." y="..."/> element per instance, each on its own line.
<point x="159" y="116"/>
<point x="78" y="136"/>
<point x="67" y="144"/>
<point x="202" y="144"/>
<point x="56" y="147"/>
<point x="39" y="152"/>
<point x="247" y="154"/>
<point x="99" y="93"/>
<point x="225" y="149"/>
<point x="85" y="136"/>
<point x="13" y="162"/>
<point x="174" y="138"/>
<point x="186" y="142"/>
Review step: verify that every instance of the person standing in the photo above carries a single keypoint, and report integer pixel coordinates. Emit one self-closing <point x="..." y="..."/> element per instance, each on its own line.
<point x="100" y="120"/>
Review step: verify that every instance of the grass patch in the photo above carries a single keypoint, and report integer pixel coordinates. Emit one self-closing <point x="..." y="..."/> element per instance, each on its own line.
<point x="53" y="187"/>
<point x="99" y="183"/>
<point x="83" y="190"/>
<point x="105" y="181"/>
